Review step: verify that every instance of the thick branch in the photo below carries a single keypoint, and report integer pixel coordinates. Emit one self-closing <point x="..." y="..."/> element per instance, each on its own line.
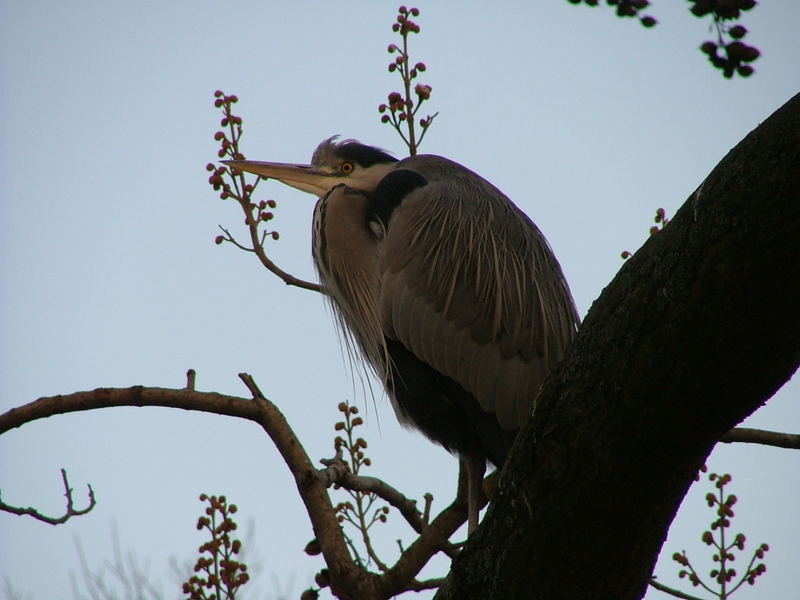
<point x="348" y="580"/>
<point x="697" y="330"/>
<point x="312" y="491"/>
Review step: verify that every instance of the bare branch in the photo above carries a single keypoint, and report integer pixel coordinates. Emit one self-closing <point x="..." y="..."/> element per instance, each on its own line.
<point x="287" y="278"/>
<point x="263" y="412"/>
<point x="346" y="577"/>
<point x="70" y="512"/>
<point x="191" y="376"/>
<point x="334" y="469"/>
<point x="362" y="483"/>
<point x="428" y="584"/>
<point x="426" y="514"/>
<point x="759" y="436"/>
<point x="671" y="591"/>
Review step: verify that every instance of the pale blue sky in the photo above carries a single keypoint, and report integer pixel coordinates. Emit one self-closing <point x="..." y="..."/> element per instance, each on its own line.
<point x="110" y="276"/>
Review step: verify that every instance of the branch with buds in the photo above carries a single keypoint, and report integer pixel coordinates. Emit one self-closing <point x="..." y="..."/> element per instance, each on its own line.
<point x="401" y="109"/>
<point x="234" y="184"/>
<point x="736" y="54"/>
<point x="729" y="53"/>
<point x="661" y="221"/>
<point x="724" y="549"/>
<point x="218" y="573"/>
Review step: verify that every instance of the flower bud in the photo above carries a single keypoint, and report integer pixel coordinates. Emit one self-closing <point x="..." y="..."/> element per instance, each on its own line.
<point x="323" y="578"/>
<point x="737" y="32"/>
<point x="313" y="548"/>
<point x="708" y="48"/>
<point x="423" y="91"/>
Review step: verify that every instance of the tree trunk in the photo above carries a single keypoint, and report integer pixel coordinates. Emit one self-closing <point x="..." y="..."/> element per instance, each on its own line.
<point x="697" y="330"/>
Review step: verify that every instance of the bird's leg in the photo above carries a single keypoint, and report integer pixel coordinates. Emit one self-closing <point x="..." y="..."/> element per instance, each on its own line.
<point x="475" y="467"/>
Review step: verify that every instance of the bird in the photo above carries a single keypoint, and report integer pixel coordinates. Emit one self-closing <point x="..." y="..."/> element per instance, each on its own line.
<point x="449" y="292"/>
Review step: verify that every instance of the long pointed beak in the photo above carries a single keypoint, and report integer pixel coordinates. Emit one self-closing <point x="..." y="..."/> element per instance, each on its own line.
<point x="303" y="177"/>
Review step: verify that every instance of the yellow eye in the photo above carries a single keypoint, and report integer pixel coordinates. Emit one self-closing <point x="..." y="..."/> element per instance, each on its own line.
<point x="347" y="168"/>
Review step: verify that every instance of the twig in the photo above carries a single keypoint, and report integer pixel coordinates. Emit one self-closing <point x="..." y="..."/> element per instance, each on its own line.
<point x="426" y="514"/>
<point x="759" y="436"/>
<point x="672" y="592"/>
<point x="191" y="378"/>
<point x="251" y="384"/>
<point x="407" y="507"/>
<point x="71" y="510"/>
<point x="428" y="584"/>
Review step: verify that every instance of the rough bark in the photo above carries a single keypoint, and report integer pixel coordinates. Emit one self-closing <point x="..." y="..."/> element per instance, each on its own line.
<point x="697" y="331"/>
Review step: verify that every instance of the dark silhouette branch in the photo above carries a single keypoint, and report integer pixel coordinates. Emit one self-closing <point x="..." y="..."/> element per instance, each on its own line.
<point x="428" y="584"/>
<point x="759" y="436"/>
<point x="71" y="511"/>
<point x="671" y="591"/>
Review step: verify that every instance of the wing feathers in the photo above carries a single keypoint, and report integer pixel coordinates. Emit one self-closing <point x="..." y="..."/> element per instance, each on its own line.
<point x="469" y="285"/>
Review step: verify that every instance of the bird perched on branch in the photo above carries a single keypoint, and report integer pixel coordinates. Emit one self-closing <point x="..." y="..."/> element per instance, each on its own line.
<point x="448" y="290"/>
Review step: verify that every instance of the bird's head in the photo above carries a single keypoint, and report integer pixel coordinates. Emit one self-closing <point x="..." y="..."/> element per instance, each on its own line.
<point x="349" y="162"/>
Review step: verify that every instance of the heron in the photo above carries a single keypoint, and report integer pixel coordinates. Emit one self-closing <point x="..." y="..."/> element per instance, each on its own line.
<point x="450" y="293"/>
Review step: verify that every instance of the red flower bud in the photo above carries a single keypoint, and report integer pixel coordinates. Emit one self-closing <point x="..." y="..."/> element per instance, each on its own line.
<point x="423" y="91"/>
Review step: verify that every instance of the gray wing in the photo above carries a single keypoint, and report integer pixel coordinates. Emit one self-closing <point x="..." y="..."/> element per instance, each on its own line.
<point x="470" y="286"/>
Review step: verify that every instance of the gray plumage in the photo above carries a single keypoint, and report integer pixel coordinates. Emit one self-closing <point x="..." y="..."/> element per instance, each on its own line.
<point x="449" y="291"/>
